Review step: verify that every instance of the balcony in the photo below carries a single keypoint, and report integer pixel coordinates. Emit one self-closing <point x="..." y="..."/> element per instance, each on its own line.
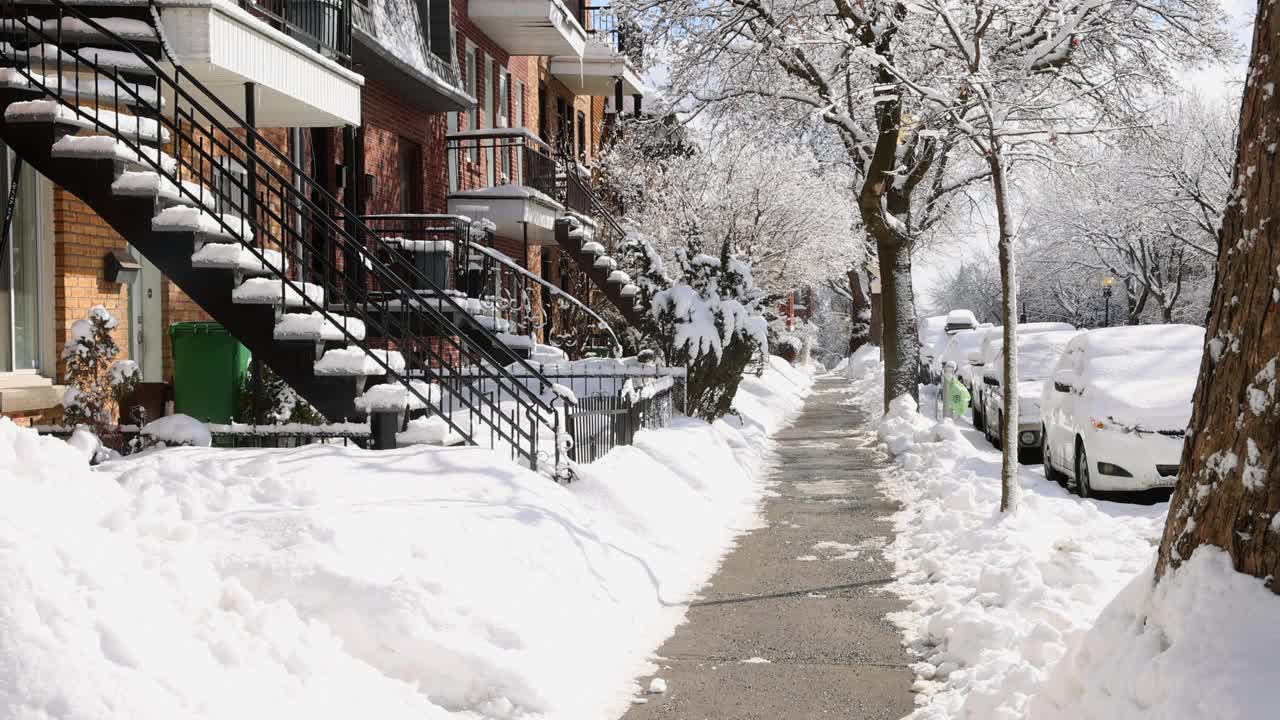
<point x="510" y="177"/>
<point x="322" y="25"/>
<point x="412" y="54"/>
<point x="295" y="52"/>
<point x="612" y="54"/>
<point x="530" y="27"/>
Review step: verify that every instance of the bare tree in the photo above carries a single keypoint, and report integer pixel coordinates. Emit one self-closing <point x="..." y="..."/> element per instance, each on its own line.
<point x="1016" y="75"/>
<point x="1228" y="492"/>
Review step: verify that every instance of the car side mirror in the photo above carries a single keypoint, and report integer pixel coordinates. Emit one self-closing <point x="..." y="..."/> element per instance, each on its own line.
<point x="1061" y="386"/>
<point x="988" y="380"/>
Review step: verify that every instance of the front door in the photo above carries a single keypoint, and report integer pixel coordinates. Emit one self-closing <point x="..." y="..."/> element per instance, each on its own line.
<point x="20" y="271"/>
<point x="146" y="331"/>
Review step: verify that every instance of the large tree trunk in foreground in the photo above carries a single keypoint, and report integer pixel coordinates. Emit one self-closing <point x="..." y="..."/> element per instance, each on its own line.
<point x="1228" y="492"/>
<point x="1009" y="488"/>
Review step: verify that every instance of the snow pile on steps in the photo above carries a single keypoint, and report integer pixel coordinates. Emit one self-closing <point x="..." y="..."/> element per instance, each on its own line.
<point x="330" y="582"/>
<point x="997" y="603"/>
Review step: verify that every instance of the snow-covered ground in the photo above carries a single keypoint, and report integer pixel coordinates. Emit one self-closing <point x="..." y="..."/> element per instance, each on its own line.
<point x="1051" y="613"/>
<point x="330" y="582"/>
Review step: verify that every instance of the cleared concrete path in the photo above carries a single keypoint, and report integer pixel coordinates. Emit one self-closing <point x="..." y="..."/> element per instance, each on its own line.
<point x="804" y="593"/>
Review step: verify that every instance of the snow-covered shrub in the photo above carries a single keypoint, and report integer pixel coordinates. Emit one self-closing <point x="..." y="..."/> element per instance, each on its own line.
<point x="705" y="316"/>
<point x="98" y="384"/>
<point x="794" y="344"/>
<point x="274" y="402"/>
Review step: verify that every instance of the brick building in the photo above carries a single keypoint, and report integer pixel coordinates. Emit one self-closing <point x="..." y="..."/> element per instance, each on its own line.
<point x="394" y="107"/>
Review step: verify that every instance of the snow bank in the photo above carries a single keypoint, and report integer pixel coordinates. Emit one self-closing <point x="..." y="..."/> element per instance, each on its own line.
<point x="332" y="582"/>
<point x="1007" y="613"/>
<point x="1200" y="644"/>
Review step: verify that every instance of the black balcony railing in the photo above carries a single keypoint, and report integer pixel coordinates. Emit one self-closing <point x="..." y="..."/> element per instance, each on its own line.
<point x="324" y="25"/>
<point x="603" y="24"/>
<point x="481" y="159"/>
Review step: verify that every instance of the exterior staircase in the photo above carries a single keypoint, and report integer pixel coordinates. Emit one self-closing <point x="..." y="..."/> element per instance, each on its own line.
<point x="349" y="320"/>
<point x="591" y="245"/>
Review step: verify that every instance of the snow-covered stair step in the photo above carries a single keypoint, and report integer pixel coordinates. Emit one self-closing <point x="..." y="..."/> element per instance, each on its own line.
<point x="82" y="89"/>
<point x="357" y="361"/>
<point x="272" y="291"/>
<point x="431" y="430"/>
<point x="593" y="248"/>
<point x="147" y="183"/>
<point x="495" y="324"/>
<point x="143" y="130"/>
<point x="604" y="262"/>
<point x="421" y="246"/>
<point x="180" y="218"/>
<point x="514" y="341"/>
<point x="234" y="256"/>
<point x="395" y="396"/>
<point x="630" y="290"/>
<point x="104" y="147"/>
<point x="618" y="277"/>
<point x="317" y="327"/>
<point x="107" y="60"/>
<point x="79" y="30"/>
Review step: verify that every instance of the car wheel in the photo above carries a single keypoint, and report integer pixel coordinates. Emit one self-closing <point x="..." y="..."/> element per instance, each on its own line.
<point x="995" y="437"/>
<point x="1083" y="488"/>
<point x="977" y="419"/>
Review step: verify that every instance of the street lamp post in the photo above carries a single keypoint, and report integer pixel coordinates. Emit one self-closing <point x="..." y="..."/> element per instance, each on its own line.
<point x="1107" y="282"/>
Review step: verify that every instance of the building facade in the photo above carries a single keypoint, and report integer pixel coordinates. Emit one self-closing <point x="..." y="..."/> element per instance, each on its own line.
<point x="375" y="124"/>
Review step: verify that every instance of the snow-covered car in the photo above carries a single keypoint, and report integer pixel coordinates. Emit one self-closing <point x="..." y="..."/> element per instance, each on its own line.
<point x="1038" y="354"/>
<point x="1116" y="409"/>
<point x="929" y="331"/>
<point x="992" y="344"/>
<point x="958" y="320"/>
<point x="961" y="346"/>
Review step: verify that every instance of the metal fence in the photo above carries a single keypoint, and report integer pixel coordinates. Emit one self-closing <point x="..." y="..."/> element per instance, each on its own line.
<point x="598" y="423"/>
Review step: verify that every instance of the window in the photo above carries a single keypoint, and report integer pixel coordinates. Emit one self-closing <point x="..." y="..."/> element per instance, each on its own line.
<point x="453" y="156"/>
<point x="563" y="129"/>
<point x="520" y="105"/>
<point x="410" y="176"/>
<point x="504" y="97"/>
<point x="20" y="273"/>
<point x="490" y="119"/>
<point x="233" y="187"/>
<point x="542" y="112"/>
<point x="473" y="117"/>
<point x="582" y="137"/>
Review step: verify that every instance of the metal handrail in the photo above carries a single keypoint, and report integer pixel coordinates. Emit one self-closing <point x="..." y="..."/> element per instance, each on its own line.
<point x="200" y="159"/>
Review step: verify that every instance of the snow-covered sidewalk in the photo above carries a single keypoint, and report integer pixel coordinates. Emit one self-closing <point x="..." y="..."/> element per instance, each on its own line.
<point x="327" y="582"/>
<point x="1051" y="612"/>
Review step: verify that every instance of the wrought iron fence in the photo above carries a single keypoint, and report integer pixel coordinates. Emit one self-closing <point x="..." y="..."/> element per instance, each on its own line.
<point x="598" y="423"/>
<point x="321" y="24"/>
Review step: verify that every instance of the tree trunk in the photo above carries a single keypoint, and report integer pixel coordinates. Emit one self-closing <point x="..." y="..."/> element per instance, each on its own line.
<point x="1009" y="488"/>
<point x="859" y="310"/>
<point x="901" y="346"/>
<point x="1228" y="492"/>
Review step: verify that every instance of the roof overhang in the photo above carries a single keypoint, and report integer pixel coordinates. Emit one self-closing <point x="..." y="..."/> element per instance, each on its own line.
<point x="529" y="27"/>
<point x="425" y="90"/>
<point x="597" y="73"/>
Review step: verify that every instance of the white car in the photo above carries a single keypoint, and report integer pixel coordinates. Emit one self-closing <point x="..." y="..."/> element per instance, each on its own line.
<point x="1038" y="353"/>
<point x="961" y="346"/>
<point x="983" y="357"/>
<point x="1116" y="410"/>
<point x="928" y="331"/>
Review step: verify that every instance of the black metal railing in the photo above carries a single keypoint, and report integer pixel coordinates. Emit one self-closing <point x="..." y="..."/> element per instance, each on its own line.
<point x="482" y="159"/>
<point x="603" y="25"/>
<point x="323" y="25"/>
<point x="437" y="62"/>
<point x="598" y="423"/>
<point x="329" y="264"/>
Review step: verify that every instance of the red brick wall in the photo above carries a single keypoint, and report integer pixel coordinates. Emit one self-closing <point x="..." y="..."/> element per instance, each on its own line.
<point x="387" y="118"/>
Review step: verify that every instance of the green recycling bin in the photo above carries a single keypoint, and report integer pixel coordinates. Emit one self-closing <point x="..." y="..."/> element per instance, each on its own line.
<point x="208" y="366"/>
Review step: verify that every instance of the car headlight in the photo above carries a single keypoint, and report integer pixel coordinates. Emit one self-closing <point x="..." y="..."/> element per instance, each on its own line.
<point x="1106" y="468"/>
<point x="1028" y="437"/>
